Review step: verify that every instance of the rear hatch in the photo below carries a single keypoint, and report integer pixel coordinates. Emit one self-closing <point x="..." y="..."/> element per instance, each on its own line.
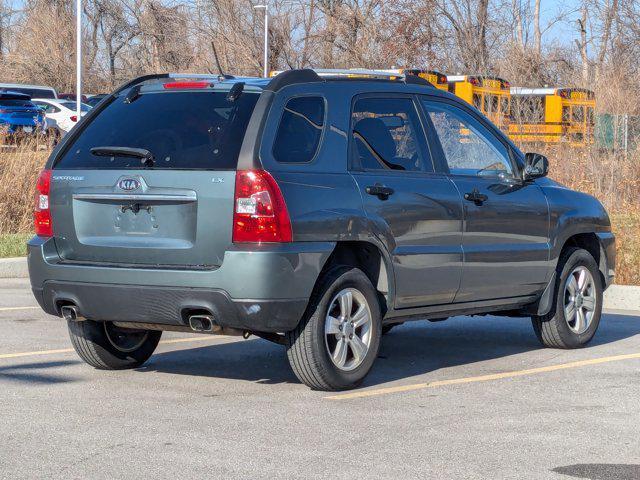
<point x="112" y="205"/>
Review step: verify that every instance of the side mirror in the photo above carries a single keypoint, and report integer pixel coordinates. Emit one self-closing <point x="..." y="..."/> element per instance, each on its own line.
<point x="535" y="166"/>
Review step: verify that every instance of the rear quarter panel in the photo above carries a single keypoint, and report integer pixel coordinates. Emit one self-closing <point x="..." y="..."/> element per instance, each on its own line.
<point x="323" y="200"/>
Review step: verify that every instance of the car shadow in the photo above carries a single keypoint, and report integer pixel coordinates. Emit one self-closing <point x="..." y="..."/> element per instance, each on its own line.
<point x="601" y="471"/>
<point x="412" y="349"/>
<point x="44" y="373"/>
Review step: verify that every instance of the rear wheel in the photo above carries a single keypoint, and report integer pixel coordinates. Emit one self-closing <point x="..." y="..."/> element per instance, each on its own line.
<point x="106" y="346"/>
<point x="337" y="341"/>
<point x="575" y="317"/>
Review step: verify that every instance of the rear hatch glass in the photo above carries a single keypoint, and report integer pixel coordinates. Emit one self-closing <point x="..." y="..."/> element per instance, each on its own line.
<point x="183" y="130"/>
<point x="107" y="208"/>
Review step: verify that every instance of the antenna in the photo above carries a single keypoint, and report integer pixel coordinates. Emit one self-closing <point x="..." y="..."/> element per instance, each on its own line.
<point x="215" y="55"/>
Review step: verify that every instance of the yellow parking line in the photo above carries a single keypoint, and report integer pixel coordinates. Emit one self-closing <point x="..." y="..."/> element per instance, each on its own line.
<point x="40" y="352"/>
<point x="11" y="309"/>
<point x="482" y="378"/>
<point x="69" y="350"/>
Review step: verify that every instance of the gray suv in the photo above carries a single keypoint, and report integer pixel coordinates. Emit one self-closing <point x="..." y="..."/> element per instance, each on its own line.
<point x="318" y="210"/>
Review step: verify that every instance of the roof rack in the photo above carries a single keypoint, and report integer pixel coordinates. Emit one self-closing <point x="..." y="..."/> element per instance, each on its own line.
<point x="282" y="78"/>
<point x="359" y="73"/>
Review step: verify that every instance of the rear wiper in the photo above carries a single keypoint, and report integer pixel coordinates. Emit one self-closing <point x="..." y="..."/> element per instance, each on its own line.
<point x="143" y="154"/>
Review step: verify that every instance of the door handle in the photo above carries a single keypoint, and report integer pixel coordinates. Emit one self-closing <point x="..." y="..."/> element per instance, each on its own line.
<point x="476" y="197"/>
<point x="379" y="191"/>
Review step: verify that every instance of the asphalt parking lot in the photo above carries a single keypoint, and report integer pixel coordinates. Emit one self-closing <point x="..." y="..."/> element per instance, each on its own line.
<point x="466" y="398"/>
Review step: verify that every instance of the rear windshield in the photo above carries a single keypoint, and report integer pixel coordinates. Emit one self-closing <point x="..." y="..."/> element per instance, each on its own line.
<point x="182" y="130"/>
<point x="16" y="103"/>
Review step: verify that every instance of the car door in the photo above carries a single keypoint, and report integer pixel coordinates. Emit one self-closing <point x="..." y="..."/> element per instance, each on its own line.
<point x="416" y="212"/>
<point x="506" y="221"/>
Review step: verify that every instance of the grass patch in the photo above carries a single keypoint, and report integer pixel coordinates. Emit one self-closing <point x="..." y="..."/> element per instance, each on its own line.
<point x="626" y="227"/>
<point x="14" y="244"/>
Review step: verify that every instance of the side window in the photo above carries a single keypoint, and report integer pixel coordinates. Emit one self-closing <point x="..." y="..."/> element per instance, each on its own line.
<point x="387" y="135"/>
<point x="300" y="130"/>
<point x="469" y="148"/>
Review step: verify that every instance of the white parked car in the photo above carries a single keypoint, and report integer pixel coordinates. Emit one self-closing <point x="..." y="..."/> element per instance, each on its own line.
<point x="62" y="111"/>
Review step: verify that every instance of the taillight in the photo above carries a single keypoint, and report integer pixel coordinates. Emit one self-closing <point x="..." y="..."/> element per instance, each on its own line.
<point x="180" y="85"/>
<point x="260" y="213"/>
<point x="74" y="118"/>
<point x="41" y="212"/>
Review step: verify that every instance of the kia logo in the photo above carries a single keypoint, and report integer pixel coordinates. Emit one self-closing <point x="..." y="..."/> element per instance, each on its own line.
<point x="129" y="184"/>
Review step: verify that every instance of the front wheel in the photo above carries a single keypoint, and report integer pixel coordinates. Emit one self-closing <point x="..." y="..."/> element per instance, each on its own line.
<point x="108" y="347"/>
<point x="337" y="340"/>
<point x="574" y="319"/>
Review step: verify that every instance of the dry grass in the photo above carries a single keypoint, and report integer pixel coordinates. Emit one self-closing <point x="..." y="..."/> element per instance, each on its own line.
<point x="614" y="179"/>
<point x="19" y="169"/>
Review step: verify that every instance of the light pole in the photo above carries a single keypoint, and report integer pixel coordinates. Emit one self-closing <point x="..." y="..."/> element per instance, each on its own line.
<point x="78" y="57"/>
<point x="266" y="37"/>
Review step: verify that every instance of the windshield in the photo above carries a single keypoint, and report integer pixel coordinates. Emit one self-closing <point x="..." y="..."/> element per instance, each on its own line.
<point x="182" y="130"/>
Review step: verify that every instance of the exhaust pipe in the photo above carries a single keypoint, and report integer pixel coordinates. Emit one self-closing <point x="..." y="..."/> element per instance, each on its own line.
<point x="202" y="323"/>
<point x="70" y="313"/>
<point x="205" y="323"/>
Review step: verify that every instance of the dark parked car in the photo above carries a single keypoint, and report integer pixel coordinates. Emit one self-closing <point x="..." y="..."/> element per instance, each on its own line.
<point x="316" y="210"/>
<point x="93" y="100"/>
<point x="72" y="97"/>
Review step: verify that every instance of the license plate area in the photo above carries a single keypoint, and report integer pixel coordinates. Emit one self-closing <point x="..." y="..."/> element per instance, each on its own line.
<point x="135" y="224"/>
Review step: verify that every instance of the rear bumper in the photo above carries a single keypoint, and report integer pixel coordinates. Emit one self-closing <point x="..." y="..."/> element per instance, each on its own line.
<point x="265" y="289"/>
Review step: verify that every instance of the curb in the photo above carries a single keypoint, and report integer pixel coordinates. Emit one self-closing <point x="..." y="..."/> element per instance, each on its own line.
<point x="14" y="267"/>
<point x="622" y="297"/>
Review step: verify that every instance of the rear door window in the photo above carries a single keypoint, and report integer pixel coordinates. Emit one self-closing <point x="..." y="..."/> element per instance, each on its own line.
<point x="300" y="130"/>
<point x="182" y="130"/>
<point x="387" y="135"/>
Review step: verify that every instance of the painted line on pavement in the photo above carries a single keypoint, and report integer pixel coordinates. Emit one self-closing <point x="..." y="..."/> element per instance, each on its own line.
<point x="70" y="350"/>
<point x="481" y="378"/>
<point x="11" y="309"/>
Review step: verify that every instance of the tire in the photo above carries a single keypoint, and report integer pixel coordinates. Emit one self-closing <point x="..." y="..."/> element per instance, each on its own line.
<point x="309" y="345"/>
<point x="107" y="347"/>
<point x="554" y="330"/>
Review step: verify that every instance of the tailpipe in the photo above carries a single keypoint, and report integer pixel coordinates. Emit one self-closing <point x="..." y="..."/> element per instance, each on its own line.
<point x="202" y="323"/>
<point x="70" y="313"/>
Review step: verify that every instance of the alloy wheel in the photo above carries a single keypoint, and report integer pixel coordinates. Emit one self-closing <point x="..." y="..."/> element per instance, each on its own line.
<point x="579" y="300"/>
<point x="348" y="329"/>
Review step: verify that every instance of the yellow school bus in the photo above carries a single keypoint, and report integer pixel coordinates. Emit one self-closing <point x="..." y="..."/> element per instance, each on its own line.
<point x="490" y="95"/>
<point x="552" y="115"/>
<point x="437" y="79"/>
